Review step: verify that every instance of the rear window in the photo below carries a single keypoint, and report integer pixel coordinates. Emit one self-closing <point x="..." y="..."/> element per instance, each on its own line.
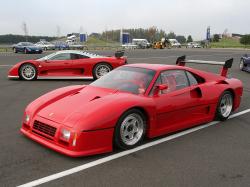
<point x="194" y="79"/>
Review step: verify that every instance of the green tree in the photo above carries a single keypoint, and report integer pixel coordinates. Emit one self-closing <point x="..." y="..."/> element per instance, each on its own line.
<point x="245" y="39"/>
<point x="181" y="39"/>
<point x="189" y="39"/>
<point x="216" y="38"/>
<point x="171" y="35"/>
<point x="11" y="39"/>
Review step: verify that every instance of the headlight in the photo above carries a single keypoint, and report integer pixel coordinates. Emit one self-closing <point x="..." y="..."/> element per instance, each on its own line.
<point x="26" y="119"/>
<point x="65" y="134"/>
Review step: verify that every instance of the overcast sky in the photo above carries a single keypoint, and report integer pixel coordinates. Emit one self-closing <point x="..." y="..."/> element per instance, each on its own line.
<point x="184" y="17"/>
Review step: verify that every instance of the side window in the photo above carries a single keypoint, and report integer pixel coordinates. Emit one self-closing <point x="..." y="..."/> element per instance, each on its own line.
<point x="174" y="79"/>
<point x="192" y="79"/>
<point x="77" y="56"/>
<point x="62" y="56"/>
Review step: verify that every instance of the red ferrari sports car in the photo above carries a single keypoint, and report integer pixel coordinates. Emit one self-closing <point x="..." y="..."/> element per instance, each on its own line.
<point x="129" y="103"/>
<point x="68" y="64"/>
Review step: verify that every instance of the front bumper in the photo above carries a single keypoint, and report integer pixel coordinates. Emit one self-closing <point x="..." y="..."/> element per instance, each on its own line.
<point x="87" y="143"/>
<point x="13" y="77"/>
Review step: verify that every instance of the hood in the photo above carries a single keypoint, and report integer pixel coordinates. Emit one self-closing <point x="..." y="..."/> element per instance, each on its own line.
<point x="70" y="108"/>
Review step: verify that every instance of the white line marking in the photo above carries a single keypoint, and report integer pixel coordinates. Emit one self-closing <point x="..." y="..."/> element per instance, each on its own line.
<point x="5" y="65"/>
<point x="239" y="113"/>
<point x="121" y="154"/>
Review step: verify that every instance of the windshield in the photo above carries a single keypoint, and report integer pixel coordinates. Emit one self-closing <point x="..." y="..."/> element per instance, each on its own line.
<point x="130" y="79"/>
<point x="47" y="57"/>
<point x="27" y="44"/>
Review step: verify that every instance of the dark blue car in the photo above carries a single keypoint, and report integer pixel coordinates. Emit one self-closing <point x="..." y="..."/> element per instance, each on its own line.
<point x="26" y="47"/>
<point x="245" y="63"/>
<point x="61" y="45"/>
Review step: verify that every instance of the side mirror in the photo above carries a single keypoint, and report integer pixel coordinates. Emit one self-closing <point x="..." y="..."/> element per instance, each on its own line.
<point x="159" y="88"/>
<point x="46" y="60"/>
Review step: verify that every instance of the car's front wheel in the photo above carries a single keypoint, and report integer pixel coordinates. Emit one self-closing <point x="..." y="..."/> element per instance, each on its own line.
<point x="241" y="64"/>
<point x="225" y="106"/>
<point x="130" y="129"/>
<point x="101" y="69"/>
<point x="28" y="72"/>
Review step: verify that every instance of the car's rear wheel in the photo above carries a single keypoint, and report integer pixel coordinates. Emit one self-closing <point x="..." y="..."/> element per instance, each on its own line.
<point x="241" y="64"/>
<point x="101" y="69"/>
<point x="130" y="129"/>
<point x="28" y="72"/>
<point x="14" y="50"/>
<point x="225" y="106"/>
<point x="25" y="51"/>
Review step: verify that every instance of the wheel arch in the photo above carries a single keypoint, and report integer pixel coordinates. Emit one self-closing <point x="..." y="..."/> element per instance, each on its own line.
<point x="27" y="63"/>
<point x="102" y="62"/>
<point x="145" y="113"/>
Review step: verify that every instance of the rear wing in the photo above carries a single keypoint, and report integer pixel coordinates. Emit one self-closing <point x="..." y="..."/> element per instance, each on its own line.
<point x="181" y="61"/>
<point x="119" y="54"/>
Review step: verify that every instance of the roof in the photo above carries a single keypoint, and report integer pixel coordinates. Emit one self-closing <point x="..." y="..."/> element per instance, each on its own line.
<point x="85" y="53"/>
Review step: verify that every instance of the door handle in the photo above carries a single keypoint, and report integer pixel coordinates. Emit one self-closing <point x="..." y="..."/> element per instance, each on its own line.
<point x="66" y="63"/>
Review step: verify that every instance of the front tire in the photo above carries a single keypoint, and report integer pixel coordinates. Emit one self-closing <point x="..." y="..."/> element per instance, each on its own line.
<point x="225" y="106"/>
<point x="130" y="129"/>
<point x="28" y="72"/>
<point x="101" y="69"/>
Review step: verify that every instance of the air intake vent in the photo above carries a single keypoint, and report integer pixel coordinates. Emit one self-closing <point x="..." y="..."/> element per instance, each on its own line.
<point x="44" y="128"/>
<point x="96" y="97"/>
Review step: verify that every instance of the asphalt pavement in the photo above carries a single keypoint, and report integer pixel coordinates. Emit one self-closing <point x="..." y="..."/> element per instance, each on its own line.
<point x="218" y="155"/>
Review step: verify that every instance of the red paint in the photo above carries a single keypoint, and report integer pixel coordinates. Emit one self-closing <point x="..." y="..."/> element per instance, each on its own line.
<point x="67" y="68"/>
<point x="91" y="113"/>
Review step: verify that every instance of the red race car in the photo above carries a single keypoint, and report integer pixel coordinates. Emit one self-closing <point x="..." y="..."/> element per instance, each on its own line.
<point x="129" y="103"/>
<point x="68" y="64"/>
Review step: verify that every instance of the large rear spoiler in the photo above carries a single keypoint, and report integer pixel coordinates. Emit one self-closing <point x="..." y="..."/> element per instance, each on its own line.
<point x="181" y="61"/>
<point x="119" y="54"/>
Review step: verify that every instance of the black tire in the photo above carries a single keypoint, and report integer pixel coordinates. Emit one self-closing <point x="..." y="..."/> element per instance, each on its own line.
<point x="97" y="74"/>
<point x="220" y="115"/>
<point x="22" y="74"/>
<point x="119" y="138"/>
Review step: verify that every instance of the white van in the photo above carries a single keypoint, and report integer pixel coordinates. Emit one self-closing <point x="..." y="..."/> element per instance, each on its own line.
<point x="141" y="43"/>
<point x="174" y="43"/>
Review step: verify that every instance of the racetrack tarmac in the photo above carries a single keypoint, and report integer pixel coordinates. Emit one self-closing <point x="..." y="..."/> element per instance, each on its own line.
<point x="218" y="155"/>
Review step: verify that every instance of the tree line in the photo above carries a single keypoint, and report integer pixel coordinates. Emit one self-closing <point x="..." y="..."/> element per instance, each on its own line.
<point x="152" y="34"/>
<point x="11" y="39"/>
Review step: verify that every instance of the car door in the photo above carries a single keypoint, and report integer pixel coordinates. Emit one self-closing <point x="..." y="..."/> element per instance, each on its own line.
<point x="59" y="65"/>
<point x="176" y="106"/>
<point x="20" y="47"/>
<point x="81" y="64"/>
